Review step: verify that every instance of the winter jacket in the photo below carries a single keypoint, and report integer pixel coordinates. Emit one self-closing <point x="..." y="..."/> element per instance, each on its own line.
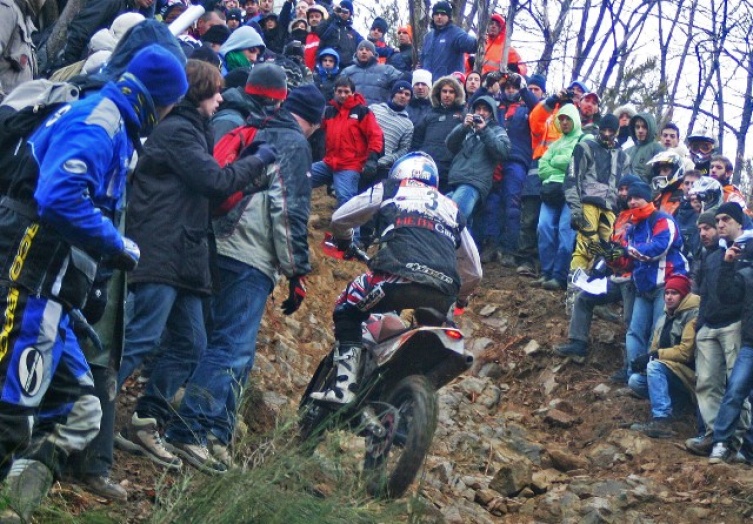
<point x="553" y="165"/>
<point x="340" y="36"/>
<point x="514" y="118"/>
<point x="398" y="132"/>
<point x="403" y="59"/>
<point x="268" y="230"/>
<point x="169" y="201"/>
<point x="351" y="134"/>
<point x="718" y="309"/>
<point x="736" y="286"/>
<point x="680" y="356"/>
<point x="658" y="238"/>
<point x="443" y="50"/>
<point x="311" y="49"/>
<point x="418" y="108"/>
<point x="235" y="108"/>
<point x="18" y="59"/>
<point x="477" y="154"/>
<point x="643" y="151"/>
<point x="430" y="134"/>
<point x="323" y="79"/>
<point x="493" y="54"/>
<point x="372" y="80"/>
<point x="593" y="175"/>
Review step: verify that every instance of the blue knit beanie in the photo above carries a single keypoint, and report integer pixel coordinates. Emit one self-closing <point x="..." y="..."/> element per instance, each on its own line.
<point x="381" y="24"/>
<point x="640" y="190"/>
<point x="161" y="73"/>
<point x="628" y="180"/>
<point x="347" y="4"/>
<point x="538" y="80"/>
<point x="399" y="86"/>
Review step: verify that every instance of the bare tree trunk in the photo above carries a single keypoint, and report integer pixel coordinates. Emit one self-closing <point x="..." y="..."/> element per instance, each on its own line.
<point x="510" y="23"/>
<point x="745" y="121"/>
<point x="56" y="41"/>
<point x="483" y="21"/>
<point x="418" y="16"/>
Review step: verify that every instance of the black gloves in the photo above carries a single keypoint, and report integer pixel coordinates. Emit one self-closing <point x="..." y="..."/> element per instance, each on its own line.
<point x="260" y="149"/>
<point x="640" y="363"/>
<point x="599" y="269"/>
<point x="296" y="294"/>
<point x="578" y="222"/>
<point x="128" y="258"/>
<point x="371" y="165"/>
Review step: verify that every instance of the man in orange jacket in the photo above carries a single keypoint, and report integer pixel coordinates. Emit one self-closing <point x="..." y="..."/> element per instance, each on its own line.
<point x="496" y="32"/>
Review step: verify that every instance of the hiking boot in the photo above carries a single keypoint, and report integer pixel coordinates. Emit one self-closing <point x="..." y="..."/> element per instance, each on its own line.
<point x="141" y="437"/>
<point x="618" y="377"/>
<point x="700" y="445"/>
<point x="199" y="457"/>
<point x="220" y="451"/>
<point x="490" y="253"/>
<point x="538" y="282"/>
<point x="721" y="453"/>
<point x="26" y="486"/>
<point x="604" y="313"/>
<point x="507" y="260"/>
<point x="553" y="285"/>
<point x="527" y="269"/>
<point x="103" y="486"/>
<point x="575" y="350"/>
<point x="655" y="428"/>
<point x="348" y="359"/>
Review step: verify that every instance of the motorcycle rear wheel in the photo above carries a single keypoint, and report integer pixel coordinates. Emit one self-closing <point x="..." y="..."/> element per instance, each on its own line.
<point x="390" y="472"/>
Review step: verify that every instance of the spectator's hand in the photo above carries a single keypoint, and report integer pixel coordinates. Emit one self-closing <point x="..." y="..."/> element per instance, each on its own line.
<point x="732" y="253"/>
<point x="370" y="167"/>
<point x="468" y="121"/>
<point x="640" y="363"/>
<point x="523" y="83"/>
<point x="634" y="253"/>
<point x="266" y="153"/>
<point x="296" y="294"/>
<point x="128" y="258"/>
<point x="578" y="222"/>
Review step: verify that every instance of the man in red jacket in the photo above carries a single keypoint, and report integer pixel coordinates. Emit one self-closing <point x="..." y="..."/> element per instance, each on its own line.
<point x="353" y="144"/>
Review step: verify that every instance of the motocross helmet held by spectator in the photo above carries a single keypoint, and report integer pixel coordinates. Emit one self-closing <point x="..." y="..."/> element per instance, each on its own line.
<point x="416" y="166"/>
<point x="708" y="191"/>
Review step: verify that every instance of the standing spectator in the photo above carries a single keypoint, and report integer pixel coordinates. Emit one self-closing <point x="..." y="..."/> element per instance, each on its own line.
<point x="624" y="114"/>
<point x="379" y="28"/>
<point x="353" y="142"/>
<point x="274" y="33"/>
<point x="588" y="106"/>
<point x="234" y="19"/>
<point x="403" y="58"/>
<point x="665" y="374"/>
<point x="556" y="237"/>
<point x="478" y="145"/>
<point x="207" y="21"/>
<point x="645" y="146"/>
<point x="670" y="139"/>
<point x="448" y="101"/>
<point x="591" y="189"/>
<point x="168" y="211"/>
<point x="18" y="60"/>
<point x="496" y="34"/>
<point x="655" y="245"/>
<point x="326" y="72"/>
<point x="719" y="332"/>
<point x="721" y="169"/>
<point x="420" y="104"/>
<point x="262" y="237"/>
<point x="472" y="84"/>
<point x="251" y="9"/>
<point x="79" y="160"/>
<point x="445" y="44"/>
<point x="337" y="32"/>
<point x="315" y="15"/>
<point x="241" y="49"/>
<point x="372" y="79"/>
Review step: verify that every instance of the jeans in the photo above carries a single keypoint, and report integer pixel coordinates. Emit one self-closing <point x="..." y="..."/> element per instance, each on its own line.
<point x="739" y="385"/>
<point x="662" y="387"/>
<point x="528" y="248"/>
<point x="647" y="309"/>
<point x="171" y="319"/>
<point x="466" y="197"/>
<point x="345" y="182"/>
<point x="580" y="321"/>
<point x="211" y="399"/>
<point x="556" y="241"/>
<point x="514" y="177"/>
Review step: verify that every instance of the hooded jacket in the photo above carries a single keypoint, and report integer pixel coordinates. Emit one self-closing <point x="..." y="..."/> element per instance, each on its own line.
<point x="430" y="134"/>
<point x="643" y="151"/>
<point x="495" y="46"/>
<point x="323" y="79"/>
<point x="236" y="106"/>
<point x="477" y="154"/>
<point x="593" y="175"/>
<point x="444" y="50"/>
<point x="351" y="134"/>
<point x="553" y="165"/>
<point x="373" y="80"/>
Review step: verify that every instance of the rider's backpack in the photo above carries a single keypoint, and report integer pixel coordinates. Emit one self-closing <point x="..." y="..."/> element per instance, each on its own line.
<point x="227" y="151"/>
<point x="21" y="112"/>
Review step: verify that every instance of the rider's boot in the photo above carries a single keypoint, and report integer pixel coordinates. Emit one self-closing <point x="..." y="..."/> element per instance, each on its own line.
<point x="348" y="359"/>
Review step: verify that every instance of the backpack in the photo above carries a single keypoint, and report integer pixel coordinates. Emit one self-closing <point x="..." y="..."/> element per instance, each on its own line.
<point x="227" y="151"/>
<point x="21" y="112"/>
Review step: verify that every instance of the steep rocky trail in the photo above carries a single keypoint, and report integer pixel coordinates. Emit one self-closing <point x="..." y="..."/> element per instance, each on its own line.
<point x="526" y="436"/>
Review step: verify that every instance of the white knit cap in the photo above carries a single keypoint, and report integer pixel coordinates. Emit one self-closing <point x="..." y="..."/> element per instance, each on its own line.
<point x="123" y="23"/>
<point x="421" y="76"/>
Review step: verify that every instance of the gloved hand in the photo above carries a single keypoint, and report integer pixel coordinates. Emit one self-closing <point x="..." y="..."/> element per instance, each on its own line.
<point x="128" y="258"/>
<point x="267" y="154"/>
<point x="354" y="251"/>
<point x="578" y="222"/>
<point x="296" y="294"/>
<point x="492" y="78"/>
<point x="371" y="165"/>
<point x="523" y="83"/>
<point x="640" y="363"/>
<point x="599" y="269"/>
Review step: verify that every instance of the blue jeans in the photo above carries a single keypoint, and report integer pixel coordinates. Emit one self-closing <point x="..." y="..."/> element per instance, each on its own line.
<point x="556" y="241"/>
<point x="211" y="399"/>
<point x="514" y="178"/>
<point x="344" y="182"/>
<point x="466" y="197"/>
<point x="662" y="387"/>
<point x="739" y="386"/>
<point x="647" y="309"/>
<point x="171" y="319"/>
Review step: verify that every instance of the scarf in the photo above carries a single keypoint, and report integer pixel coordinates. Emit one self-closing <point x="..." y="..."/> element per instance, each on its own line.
<point x="642" y="213"/>
<point x="236" y="59"/>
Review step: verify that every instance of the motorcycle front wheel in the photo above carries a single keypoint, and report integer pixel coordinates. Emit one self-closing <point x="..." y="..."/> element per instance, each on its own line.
<point x="390" y="466"/>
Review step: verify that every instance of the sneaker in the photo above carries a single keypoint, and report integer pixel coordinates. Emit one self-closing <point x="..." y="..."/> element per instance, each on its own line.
<point x="103" y="486"/>
<point x="527" y="269"/>
<point x="720" y="453"/>
<point x="700" y="445"/>
<point x="553" y="285"/>
<point x="538" y="281"/>
<point x="575" y="350"/>
<point x="656" y="428"/>
<point x="141" y="437"/>
<point x="508" y="261"/>
<point x="199" y="457"/>
<point x="220" y="451"/>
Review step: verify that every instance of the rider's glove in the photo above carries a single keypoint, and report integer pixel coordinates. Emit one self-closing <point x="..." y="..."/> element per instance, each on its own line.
<point x="296" y="294"/>
<point x="129" y="256"/>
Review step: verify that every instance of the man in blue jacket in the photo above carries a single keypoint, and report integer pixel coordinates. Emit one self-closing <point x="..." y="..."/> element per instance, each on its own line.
<point x="445" y="45"/>
<point x="53" y="232"/>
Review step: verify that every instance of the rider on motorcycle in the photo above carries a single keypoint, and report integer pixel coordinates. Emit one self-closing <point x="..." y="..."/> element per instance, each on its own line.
<point x="426" y="258"/>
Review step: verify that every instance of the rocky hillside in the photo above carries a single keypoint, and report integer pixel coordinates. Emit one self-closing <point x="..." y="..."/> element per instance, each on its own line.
<point x="526" y="436"/>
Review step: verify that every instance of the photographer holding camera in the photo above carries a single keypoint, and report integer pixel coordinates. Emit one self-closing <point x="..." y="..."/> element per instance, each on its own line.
<point x="479" y="144"/>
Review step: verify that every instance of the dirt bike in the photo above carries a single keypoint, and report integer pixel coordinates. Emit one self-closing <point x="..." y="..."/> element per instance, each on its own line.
<point x="396" y="405"/>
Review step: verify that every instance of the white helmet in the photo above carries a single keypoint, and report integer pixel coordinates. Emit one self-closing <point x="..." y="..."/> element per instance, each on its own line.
<point x="701" y="146"/>
<point x="662" y="159"/>
<point x="708" y="191"/>
<point x="416" y="166"/>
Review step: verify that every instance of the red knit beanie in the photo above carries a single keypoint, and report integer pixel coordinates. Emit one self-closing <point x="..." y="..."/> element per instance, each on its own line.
<point x="679" y="283"/>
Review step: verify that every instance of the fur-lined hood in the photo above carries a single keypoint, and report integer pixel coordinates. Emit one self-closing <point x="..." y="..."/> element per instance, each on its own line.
<point x="437" y="87"/>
